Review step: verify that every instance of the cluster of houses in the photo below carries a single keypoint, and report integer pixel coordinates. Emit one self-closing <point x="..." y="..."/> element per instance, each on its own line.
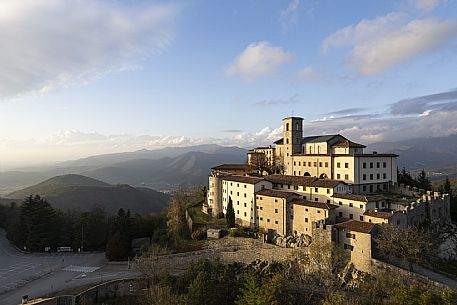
<point x="328" y="187"/>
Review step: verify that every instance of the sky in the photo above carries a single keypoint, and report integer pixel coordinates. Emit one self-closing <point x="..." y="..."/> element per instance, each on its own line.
<point x="86" y="77"/>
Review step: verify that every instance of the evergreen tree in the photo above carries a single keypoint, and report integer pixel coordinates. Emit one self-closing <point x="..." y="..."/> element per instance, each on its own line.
<point x="251" y="293"/>
<point x="423" y="182"/>
<point x="230" y="214"/>
<point x="118" y="247"/>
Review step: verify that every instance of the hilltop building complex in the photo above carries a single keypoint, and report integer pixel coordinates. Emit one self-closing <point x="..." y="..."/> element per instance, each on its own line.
<point x="324" y="186"/>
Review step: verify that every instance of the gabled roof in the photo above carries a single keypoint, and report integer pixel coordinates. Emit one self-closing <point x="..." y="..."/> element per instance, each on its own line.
<point x="315" y="204"/>
<point x="233" y="167"/>
<point x="243" y="179"/>
<point x="347" y="143"/>
<point x="275" y="193"/>
<point x="324" y="138"/>
<point x="378" y="214"/>
<point x="327" y="183"/>
<point x="355" y="225"/>
<point x="354" y="197"/>
<point x="292" y="180"/>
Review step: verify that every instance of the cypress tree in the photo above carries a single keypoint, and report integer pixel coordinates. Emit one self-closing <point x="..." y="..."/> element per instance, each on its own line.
<point x="230" y="215"/>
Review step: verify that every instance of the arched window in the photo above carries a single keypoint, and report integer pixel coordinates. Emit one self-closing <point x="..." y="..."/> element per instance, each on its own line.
<point x="323" y="176"/>
<point x="287" y="126"/>
<point x="307" y="174"/>
<point x="297" y="126"/>
<point x="287" y="141"/>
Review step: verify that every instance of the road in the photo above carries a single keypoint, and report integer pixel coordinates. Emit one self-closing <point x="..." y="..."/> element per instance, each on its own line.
<point x="43" y="274"/>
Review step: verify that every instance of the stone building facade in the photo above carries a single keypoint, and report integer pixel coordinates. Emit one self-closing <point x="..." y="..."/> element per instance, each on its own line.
<point x="330" y="188"/>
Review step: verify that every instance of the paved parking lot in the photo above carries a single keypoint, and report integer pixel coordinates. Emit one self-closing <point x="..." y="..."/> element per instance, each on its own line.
<point x="43" y="274"/>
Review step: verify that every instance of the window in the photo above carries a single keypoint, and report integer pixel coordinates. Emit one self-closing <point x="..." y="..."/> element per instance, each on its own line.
<point x="320" y="164"/>
<point x="350" y="204"/>
<point x="276" y="211"/>
<point x="384" y="164"/>
<point x="361" y="218"/>
<point x="328" y="191"/>
<point x="309" y="163"/>
<point x="364" y="165"/>
<point x="245" y="205"/>
<point x="351" y="216"/>
<point x="326" y="164"/>
<point x="371" y="176"/>
<point x="237" y="203"/>
<point x="261" y="208"/>
<point x="316" y="199"/>
<point x="348" y="247"/>
<point x="316" y="190"/>
<point x="295" y="163"/>
<point x="238" y="193"/>
<point x="340" y="203"/>
<point x="364" y="177"/>
<point x="306" y="219"/>
<point x="315" y="164"/>
<point x="384" y="176"/>
<point x="364" y="188"/>
<point x="378" y="176"/>
<point x="237" y="211"/>
<point x="361" y="206"/>
<point x="378" y="165"/>
<point x="338" y="176"/>
<point x="261" y="218"/>
<point x="350" y="235"/>
<point x="346" y="165"/>
<point x="287" y="126"/>
<point x="306" y="209"/>
<point x="346" y="177"/>
<point x="268" y="219"/>
<point x="244" y="214"/>
<point x="371" y="164"/>
<point x="276" y="222"/>
<point x="318" y="212"/>
<point x="328" y="200"/>
<point x="338" y="165"/>
<point x="340" y="214"/>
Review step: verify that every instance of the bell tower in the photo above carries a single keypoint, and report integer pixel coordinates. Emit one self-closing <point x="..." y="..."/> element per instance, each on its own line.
<point x="292" y="135"/>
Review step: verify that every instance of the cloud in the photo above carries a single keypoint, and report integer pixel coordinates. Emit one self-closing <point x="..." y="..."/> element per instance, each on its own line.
<point x="56" y="43"/>
<point x="425" y="5"/>
<point x="258" y="59"/>
<point x="289" y="15"/>
<point x="307" y="73"/>
<point x="386" y="41"/>
<point x="444" y="101"/>
<point x="231" y="130"/>
<point x="272" y="102"/>
<point x="347" y="111"/>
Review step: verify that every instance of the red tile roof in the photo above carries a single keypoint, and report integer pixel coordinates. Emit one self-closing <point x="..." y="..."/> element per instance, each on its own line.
<point x="347" y="143"/>
<point x="292" y="180"/>
<point x="315" y="204"/>
<point x="327" y="183"/>
<point x="275" y="193"/>
<point x="355" y="225"/>
<point x="233" y="167"/>
<point x="243" y="179"/>
<point x="378" y="214"/>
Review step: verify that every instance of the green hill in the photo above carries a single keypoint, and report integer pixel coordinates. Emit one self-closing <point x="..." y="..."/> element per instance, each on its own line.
<point x="84" y="193"/>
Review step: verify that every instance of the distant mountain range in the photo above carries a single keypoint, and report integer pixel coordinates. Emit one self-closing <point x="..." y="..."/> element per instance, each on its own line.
<point x="165" y="169"/>
<point x="83" y="193"/>
<point x="438" y="156"/>
<point x="161" y="169"/>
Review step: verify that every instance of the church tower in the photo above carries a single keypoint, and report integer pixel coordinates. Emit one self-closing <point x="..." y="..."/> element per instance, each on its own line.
<point x="293" y="135"/>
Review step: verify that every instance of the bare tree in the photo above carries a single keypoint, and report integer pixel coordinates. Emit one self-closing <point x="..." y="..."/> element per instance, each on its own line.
<point x="409" y="244"/>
